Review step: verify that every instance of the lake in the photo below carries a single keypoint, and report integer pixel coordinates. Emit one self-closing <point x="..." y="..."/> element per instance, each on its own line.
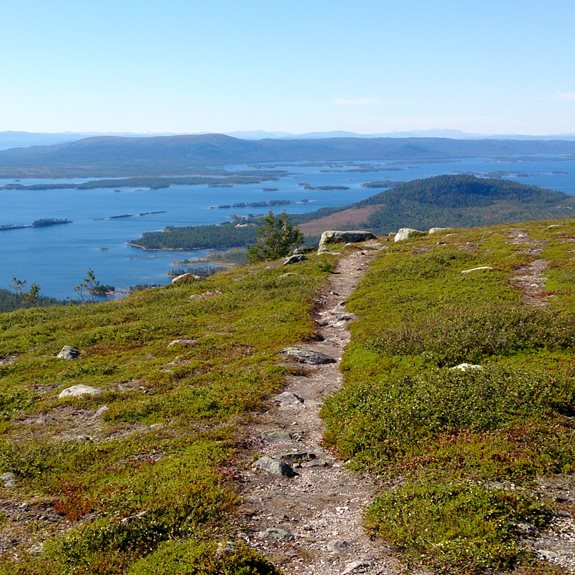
<point x="58" y="257"/>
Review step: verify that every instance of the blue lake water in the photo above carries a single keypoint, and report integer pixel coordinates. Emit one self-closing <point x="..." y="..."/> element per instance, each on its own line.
<point x="58" y="257"/>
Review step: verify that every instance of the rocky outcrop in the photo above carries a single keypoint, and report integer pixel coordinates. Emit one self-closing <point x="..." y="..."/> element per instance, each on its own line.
<point x="345" y="236"/>
<point x="406" y="233"/>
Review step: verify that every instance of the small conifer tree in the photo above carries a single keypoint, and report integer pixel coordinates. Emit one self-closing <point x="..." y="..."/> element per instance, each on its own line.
<point x="276" y="238"/>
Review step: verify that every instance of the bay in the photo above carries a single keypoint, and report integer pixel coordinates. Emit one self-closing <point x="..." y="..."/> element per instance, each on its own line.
<point x="58" y="257"/>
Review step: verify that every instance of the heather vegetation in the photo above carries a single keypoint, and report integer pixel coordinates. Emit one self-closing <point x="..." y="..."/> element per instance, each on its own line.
<point x="138" y="476"/>
<point x="463" y="449"/>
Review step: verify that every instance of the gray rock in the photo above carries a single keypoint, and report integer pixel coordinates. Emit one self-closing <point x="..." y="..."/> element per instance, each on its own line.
<point x="287" y="399"/>
<point x="276" y="533"/>
<point x="8" y="479"/>
<point x="337" y="546"/>
<point x="68" y="352"/>
<point x="287" y="275"/>
<point x="345" y="236"/>
<point x="182" y="342"/>
<point x="478" y="269"/>
<point x="406" y="233"/>
<point x="294" y="259"/>
<point x="225" y="548"/>
<point x="277" y="436"/>
<point x="306" y="356"/>
<point x="78" y="391"/>
<point x="274" y="467"/>
<point x="187" y="277"/>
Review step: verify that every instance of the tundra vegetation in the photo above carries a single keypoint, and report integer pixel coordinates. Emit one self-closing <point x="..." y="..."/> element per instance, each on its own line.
<point x="463" y="453"/>
<point x="139" y="478"/>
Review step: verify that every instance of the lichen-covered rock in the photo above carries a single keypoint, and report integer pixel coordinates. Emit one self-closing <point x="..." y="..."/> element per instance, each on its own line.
<point x="467" y="367"/>
<point x="406" y="233"/>
<point x="78" y="391"/>
<point x="307" y="356"/>
<point x="182" y="342"/>
<point x="438" y="230"/>
<point x="68" y="352"/>
<point x="345" y="236"/>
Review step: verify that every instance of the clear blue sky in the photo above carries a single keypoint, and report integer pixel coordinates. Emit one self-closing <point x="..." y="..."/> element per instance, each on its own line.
<point x="186" y="66"/>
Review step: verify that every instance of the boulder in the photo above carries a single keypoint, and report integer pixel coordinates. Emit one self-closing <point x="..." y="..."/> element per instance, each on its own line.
<point x="406" y="233"/>
<point x="78" y="391"/>
<point x="294" y="259"/>
<point x="274" y="466"/>
<point x="345" y="236"/>
<point x="307" y="356"/>
<point x="8" y="480"/>
<point x="68" y="352"/>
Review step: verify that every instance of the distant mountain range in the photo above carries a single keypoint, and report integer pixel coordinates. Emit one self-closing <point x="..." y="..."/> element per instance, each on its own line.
<point x="170" y="155"/>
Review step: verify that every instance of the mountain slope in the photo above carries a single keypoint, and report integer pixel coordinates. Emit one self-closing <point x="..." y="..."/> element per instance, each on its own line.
<point x="450" y="201"/>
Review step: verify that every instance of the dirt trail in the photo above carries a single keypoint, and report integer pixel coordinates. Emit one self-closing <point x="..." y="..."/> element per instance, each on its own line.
<point x="529" y="279"/>
<point x="311" y="524"/>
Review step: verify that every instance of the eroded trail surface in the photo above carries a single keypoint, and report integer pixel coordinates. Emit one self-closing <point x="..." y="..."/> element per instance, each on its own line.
<point x="311" y="523"/>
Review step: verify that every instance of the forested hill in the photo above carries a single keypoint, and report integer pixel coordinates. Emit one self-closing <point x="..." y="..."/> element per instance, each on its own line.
<point x="168" y="155"/>
<point x="459" y="201"/>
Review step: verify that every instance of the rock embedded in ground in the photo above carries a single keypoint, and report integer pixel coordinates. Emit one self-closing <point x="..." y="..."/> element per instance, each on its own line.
<point x="79" y="391"/>
<point x="276" y="533"/>
<point x="274" y="466"/>
<point x="406" y="233"/>
<point x="307" y="356"/>
<point x="276" y="436"/>
<point x="182" y="342"/>
<point x="287" y="399"/>
<point x="337" y="546"/>
<point x="345" y="236"/>
<point x="355" y="567"/>
<point x="68" y="352"/>
<point x="298" y="456"/>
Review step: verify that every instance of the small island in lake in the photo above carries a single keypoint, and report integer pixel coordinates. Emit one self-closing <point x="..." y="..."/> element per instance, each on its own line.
<point x="41" y="223"/>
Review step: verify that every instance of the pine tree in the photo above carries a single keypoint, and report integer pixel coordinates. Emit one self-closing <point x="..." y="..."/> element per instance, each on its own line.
<point x="277" y="237"/>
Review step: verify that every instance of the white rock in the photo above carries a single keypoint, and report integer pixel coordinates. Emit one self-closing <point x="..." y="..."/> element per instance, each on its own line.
<point x="438" y="230"/>
<point x="405" y="233"/>
<point x="78" y="391"/>
<point x="467" y="367"/>
<point x="478" y="269"/>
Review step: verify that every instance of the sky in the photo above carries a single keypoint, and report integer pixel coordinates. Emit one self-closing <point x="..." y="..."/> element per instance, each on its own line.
<point x="366" y="66"/>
